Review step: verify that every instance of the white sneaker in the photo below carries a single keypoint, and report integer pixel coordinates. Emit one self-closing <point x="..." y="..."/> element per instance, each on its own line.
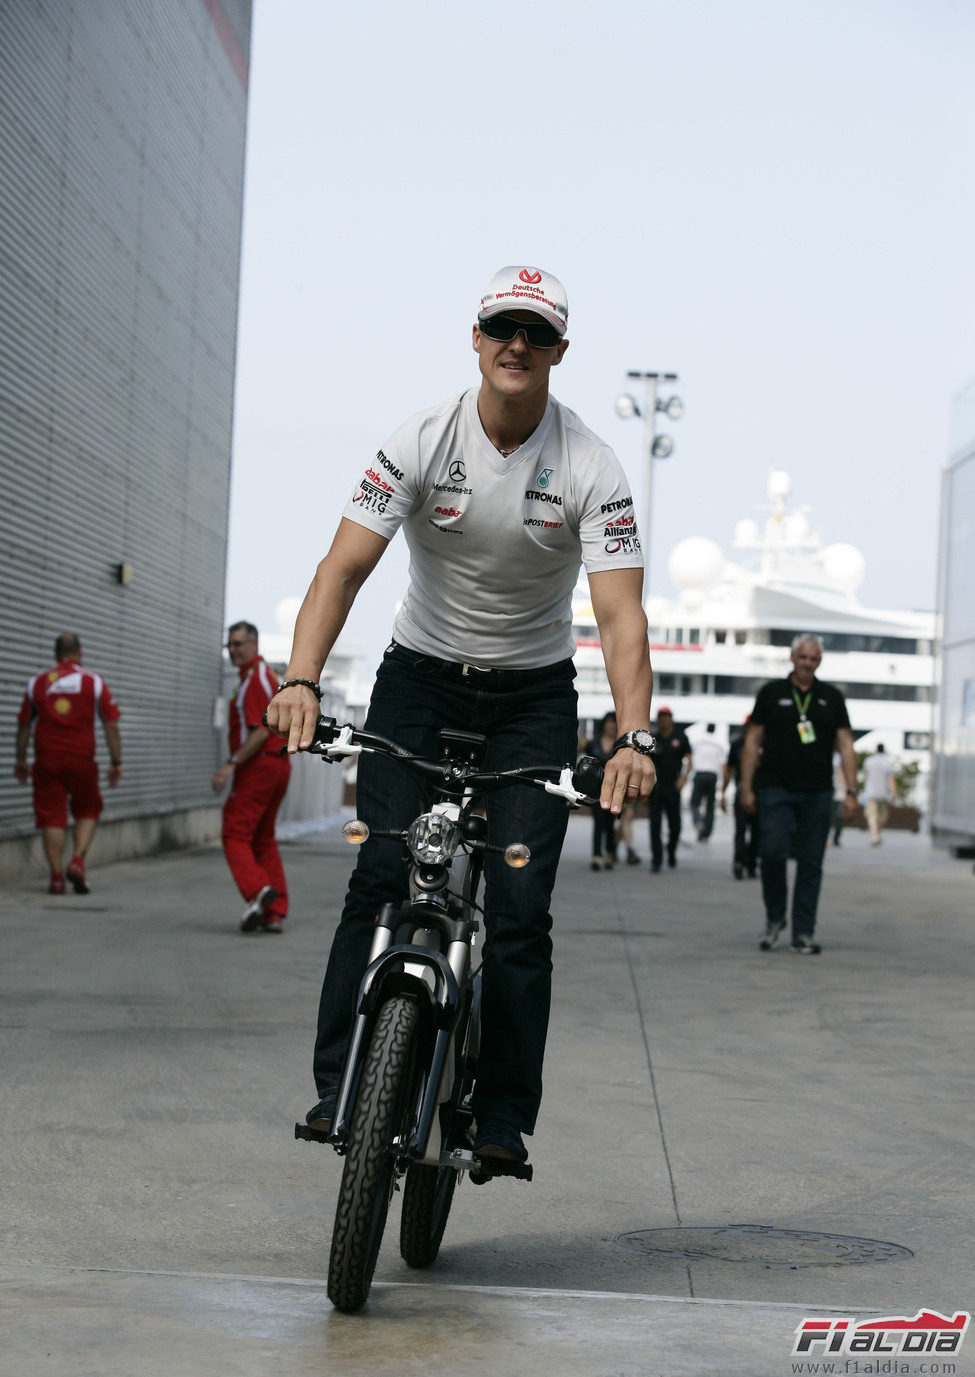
<point x="256" y="911"/>
<point x="772" y="934"/>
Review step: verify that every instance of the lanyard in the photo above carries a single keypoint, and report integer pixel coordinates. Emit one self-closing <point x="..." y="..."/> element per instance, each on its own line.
<point x="802" y="707"/>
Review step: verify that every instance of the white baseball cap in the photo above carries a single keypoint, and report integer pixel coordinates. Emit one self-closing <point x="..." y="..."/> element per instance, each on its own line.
<point x="526" y="289"/>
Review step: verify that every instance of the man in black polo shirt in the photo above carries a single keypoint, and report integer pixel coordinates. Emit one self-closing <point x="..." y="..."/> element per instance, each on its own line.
<point x="673" y="761"/>
<point x="796" y="725"/>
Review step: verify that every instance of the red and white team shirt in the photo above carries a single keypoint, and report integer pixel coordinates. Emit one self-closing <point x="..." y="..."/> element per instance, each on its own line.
<point x="258" y="685"/>
<point x="64" y="703"/>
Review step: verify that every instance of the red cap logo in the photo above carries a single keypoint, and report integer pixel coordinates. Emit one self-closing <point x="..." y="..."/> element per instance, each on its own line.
<point x="531" y="278"/>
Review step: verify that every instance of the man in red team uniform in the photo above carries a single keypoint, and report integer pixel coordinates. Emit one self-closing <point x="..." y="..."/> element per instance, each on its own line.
<point x="260" y="776"/>
<point x="61" y="704"/>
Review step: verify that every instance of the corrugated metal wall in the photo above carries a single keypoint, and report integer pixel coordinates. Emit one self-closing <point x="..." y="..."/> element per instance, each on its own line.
<point x="121" y="177"/>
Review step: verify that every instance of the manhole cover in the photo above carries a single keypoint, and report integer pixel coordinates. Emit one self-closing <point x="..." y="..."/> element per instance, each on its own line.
<point x="761" y="1244"/>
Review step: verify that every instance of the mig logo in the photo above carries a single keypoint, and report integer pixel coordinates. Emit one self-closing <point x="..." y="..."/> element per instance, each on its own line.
<point x="544" y="477"/>
<point x="928" y="1332"/>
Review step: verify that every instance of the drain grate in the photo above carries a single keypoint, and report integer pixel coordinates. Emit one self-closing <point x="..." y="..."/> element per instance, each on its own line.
<point x="763" y="1245"/>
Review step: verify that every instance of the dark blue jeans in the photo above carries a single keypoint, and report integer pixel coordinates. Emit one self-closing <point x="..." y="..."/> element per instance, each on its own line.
<point x="793" y="820"/>
<point x="702" y="793"/>
<point x="529" y="718"/>
<point x="746" y="837"/>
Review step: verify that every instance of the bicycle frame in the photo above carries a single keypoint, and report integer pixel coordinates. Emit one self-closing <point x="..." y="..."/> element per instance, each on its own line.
<point x="433" y="965"/>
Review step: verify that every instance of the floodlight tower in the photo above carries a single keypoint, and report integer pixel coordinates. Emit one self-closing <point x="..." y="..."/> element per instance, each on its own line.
<point x="655" y="446"/>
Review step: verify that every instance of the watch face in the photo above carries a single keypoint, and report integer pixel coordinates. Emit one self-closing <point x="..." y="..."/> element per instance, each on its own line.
<point x="643" y="739"/>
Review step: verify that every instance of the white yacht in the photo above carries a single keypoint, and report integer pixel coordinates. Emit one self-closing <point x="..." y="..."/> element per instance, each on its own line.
<point x="729" y="629"/>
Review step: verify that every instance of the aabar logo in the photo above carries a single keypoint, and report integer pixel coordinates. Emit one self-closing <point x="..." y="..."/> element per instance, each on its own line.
<point x="529" y="277"/>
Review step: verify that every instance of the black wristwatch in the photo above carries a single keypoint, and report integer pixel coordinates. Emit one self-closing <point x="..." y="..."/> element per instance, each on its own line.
<point x="640" y="741"/>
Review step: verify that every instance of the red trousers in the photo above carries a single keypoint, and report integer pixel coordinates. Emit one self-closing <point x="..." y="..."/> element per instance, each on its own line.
<point x="248" y="828"/>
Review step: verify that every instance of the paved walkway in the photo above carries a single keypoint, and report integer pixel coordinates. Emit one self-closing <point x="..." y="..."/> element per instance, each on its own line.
<point x="718" y="1125"/>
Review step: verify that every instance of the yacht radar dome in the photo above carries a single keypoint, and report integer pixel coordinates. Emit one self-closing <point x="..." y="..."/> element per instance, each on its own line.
<point x="845" y="566"/>
<point x="696" y="564"/>
<point x="779" y="485"/>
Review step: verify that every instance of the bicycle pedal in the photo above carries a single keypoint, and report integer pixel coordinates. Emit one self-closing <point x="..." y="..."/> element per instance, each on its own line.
<point x="310" y="1135"/>
<point x="499" y="1166"/>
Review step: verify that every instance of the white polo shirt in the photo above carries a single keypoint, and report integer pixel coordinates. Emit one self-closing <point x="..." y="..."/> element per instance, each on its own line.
<point x="495" y="544"/>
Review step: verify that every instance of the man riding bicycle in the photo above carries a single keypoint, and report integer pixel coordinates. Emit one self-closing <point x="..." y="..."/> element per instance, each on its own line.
<point x="502" y="492"/>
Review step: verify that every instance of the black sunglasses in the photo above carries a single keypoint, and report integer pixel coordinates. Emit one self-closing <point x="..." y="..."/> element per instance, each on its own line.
<point x="539" y="334"/>
<point x="235" y="645"/>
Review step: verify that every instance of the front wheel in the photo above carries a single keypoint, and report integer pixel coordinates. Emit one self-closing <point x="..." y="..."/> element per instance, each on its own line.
<point x="381" y="1111"/>
<point x="429" y="1191"/>
<point x="427" y="1196"/>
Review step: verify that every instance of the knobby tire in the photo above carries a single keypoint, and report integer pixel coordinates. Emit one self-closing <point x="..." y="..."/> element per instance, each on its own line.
<point x="369" y="1174"/>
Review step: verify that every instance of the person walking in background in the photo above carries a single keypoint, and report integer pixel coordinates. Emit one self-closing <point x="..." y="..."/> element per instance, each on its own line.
<point x="673" y="760"/>
<point x="709" y="759"/>
<point x="61" y="706"/>
<point x="879" y="790"/>
<point x="603" y="821"/>
<point x="258" y="773"/>
<point x="795" y="726"/>
<point x="746" y="824"/>
<point x="624" y="833"/>
<point x="839" y="797"/>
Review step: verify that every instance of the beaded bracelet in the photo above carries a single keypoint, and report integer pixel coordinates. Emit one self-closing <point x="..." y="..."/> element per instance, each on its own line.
<point x="305" y="683"/>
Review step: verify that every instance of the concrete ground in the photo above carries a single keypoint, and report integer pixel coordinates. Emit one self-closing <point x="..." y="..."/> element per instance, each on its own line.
<point x="720" y="1127"/>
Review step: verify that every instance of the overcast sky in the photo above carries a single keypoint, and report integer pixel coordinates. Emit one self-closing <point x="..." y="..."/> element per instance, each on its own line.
<point x="773" y="200"/>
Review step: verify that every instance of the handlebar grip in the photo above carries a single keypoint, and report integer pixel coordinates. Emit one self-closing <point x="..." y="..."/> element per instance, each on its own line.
<point x="587" y="776"/>
<point x="326" y="731"/>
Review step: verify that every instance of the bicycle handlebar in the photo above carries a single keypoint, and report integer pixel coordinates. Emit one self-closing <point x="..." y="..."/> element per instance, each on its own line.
<point x="335" y="742"/>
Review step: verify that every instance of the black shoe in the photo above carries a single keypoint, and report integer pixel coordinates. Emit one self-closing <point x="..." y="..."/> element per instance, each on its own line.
<point x="497" y="1139"/>
<point x="320" y="1118"/>
<point x="595" y="866"/>
<point x="737" y="870"/>
<point x="76" y="876"/>
<point x="805" y="946"/>
<point x="671" y="860"/>
<point x="772" y="934"/>
<point x="752" y="873"/>
<point x="655" y="867"/>
<point x="632" y="858"/>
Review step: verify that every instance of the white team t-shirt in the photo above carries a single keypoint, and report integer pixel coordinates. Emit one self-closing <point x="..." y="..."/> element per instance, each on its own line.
<point x="495" y="544"/>
<point x="877" y="772"/>
<point x="709" y="754"/>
